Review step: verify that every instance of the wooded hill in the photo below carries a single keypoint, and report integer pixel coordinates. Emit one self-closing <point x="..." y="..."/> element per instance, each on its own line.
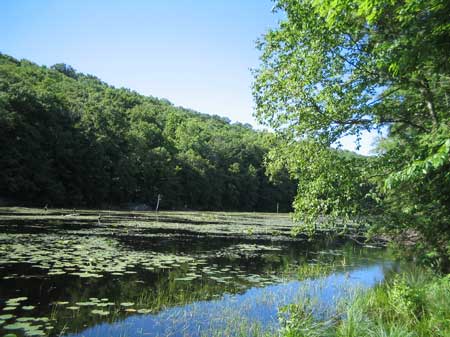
<point x="69" y="139"/>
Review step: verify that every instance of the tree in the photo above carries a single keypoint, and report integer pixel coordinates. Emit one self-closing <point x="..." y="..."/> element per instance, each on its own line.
<point x="340" y="67"/>
<point x="65" y="69"/>
<point x="69" y="139"/>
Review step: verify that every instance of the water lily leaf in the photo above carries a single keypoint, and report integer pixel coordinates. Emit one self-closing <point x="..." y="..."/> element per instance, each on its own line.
<point x="9" y="308"/>
<point x="73" y="308"/>
<point x="100" y="312"/>
<point x="62" y="302"/>
<point x="144" y="311"/>
<point x="28" y="307"/>
<point x="126" y="304"/>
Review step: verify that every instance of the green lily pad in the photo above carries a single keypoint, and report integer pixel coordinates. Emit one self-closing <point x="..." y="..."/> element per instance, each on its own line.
<point x="28" y="307"/>
<point x="6" y="317"/>
<point x="85" y="304"/>
<point x="18" y="299"/>
<point x="25" y="319"/>
<point x="9" y="308"/>
<point x="73" y="308"/>
<point x="144" y="311"/>
<point x="126" y="304"/>
<point x="100" y="312"/>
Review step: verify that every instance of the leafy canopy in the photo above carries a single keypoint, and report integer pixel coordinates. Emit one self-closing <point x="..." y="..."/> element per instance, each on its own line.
<point x="335" y="68"/>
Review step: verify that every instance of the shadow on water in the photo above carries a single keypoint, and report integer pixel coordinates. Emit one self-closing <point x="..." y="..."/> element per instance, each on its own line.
<point x="78" y="279"/>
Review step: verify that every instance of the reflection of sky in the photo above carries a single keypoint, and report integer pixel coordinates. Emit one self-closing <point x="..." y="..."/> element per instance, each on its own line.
<point x="257" y="305"/>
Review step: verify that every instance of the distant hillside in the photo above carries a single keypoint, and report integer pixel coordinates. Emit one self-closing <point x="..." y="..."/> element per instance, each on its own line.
<point x="69" y="139"/>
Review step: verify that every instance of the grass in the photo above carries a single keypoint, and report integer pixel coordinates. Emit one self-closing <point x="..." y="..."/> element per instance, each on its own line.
<point x="309" y="270"/>
<point x="415" y="303"/>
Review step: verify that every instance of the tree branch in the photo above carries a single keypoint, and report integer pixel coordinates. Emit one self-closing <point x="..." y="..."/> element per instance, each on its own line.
<point x="424" y="89"/>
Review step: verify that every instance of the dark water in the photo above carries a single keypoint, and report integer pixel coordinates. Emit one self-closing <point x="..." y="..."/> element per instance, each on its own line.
<point x="82" y="278"/>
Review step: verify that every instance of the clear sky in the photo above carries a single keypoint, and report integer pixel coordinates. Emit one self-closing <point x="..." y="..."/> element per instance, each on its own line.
<point x="195" y="53"/>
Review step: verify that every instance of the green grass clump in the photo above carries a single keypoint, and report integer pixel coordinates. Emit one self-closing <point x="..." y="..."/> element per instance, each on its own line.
<point x="297" y="320"/>
<point x="412" y="304"/>
<point x="309" y="270"/>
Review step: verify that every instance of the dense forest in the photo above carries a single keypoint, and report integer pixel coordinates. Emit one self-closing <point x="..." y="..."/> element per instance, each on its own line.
<point x="69" y="139"/>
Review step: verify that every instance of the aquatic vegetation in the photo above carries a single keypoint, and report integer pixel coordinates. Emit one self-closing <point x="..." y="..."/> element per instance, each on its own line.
<point x="91" y="257"/>
<point x="62" y="302"/>
<point x="149" y="224"/>
<point x="78" y="274"/>
<point x="73" y="307"/>
<point x="10" y="308"/>
<point x="100" y="312"/>
<point x="85" y="304"/>
<point x="16" y="300"/>
<point x="31" y="326"/>
<point x="28" y="307"/>
<point x="6" y="317"/>
<point x="246" y="250"/>
<point x="144" y="311"/>
<point x="126" y="304"/>
<point x="314" y="270"/>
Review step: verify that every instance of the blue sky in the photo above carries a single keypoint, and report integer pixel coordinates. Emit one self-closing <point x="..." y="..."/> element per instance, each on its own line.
<point x="197" y="54"/>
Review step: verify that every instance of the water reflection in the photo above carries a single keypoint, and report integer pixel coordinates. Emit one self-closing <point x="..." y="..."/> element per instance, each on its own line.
<point x="255" y="310"/>
<point x="100" y="283"/>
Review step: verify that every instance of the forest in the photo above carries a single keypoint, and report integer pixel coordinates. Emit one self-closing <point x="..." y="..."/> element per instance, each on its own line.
<point x="69" y="139"/>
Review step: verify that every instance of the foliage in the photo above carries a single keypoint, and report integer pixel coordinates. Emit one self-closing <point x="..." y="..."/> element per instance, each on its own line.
<point x="68" y="139"/>
<point x="340" y="68"/>
<point x="411" y="304"/>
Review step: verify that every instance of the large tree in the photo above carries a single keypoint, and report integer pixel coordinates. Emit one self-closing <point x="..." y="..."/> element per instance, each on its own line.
<point x="335" y="68"/>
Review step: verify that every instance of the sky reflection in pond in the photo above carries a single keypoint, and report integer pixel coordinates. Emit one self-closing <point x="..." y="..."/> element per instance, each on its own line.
<point x="257" y="308"/>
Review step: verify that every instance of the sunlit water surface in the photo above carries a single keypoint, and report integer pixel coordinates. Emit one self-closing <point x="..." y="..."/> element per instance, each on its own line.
<point x="129" y="276"/>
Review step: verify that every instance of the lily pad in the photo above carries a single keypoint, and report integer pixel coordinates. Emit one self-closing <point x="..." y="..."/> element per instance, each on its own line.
<point x="61" y="302"/>
<point x="9" y="308"/>
<point x="28" y="307"/>
<point x="6" y="317"/>
<point x="127" y="304"/>
<point x="73" y="308"/>
<point x="100" y="312"/>
<point x="144" y="311"/>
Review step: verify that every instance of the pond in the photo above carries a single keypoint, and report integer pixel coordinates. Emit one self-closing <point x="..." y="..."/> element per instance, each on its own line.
<point x="86" y="273"/>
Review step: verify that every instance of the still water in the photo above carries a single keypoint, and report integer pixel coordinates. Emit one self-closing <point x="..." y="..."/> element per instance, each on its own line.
<point x="179" y="274"/>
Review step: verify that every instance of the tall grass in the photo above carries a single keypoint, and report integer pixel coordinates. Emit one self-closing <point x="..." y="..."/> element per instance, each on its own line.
<point x="415" y="303"/>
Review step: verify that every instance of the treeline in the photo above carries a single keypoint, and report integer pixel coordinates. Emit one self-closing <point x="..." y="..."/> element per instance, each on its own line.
<point x="69" y="139"/>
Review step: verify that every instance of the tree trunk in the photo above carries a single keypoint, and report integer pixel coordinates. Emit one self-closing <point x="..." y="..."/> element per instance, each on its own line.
<point x="428" y="97"/>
